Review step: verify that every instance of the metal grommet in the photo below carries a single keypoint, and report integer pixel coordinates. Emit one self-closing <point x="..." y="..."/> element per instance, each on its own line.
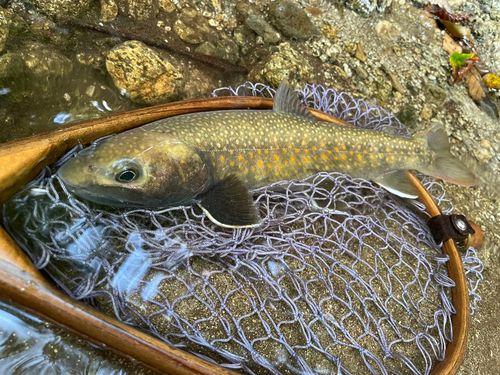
<point x="460" y="224"/>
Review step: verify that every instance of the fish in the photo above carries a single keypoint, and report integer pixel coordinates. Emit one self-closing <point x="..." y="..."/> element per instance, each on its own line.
<point x="214" y="159"/>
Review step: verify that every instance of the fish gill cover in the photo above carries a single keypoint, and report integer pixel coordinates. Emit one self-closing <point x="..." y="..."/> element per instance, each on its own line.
<point x="342" y="277"/>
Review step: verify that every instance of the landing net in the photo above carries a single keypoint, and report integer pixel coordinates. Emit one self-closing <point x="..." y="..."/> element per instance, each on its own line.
<point x="342" y="277"/>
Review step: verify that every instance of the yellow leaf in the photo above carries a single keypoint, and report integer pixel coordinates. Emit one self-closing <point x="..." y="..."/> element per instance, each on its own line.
<point x="492" y="81"/>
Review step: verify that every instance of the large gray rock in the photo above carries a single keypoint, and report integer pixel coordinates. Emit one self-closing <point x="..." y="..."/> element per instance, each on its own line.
<point x="144" y="76"/>
<point x="291" y="20"/>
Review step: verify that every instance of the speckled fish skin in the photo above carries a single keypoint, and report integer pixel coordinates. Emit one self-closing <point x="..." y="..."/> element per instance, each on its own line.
<point x="262" y="147"/>
<point x="215" y="157"/>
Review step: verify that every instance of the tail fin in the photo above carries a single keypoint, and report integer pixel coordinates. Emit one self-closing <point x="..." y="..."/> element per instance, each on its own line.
<point x="444" y="165"/>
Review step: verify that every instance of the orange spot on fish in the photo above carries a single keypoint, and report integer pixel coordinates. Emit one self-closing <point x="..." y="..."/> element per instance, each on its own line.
<point x="372" y="156"/>
<point x="222" y="158"/>
<point x="315" y="158"/>
<point x="360" y="157"/>
<point x="232" y="164"/>
<point x="267" y="151"/>
<point x="343" y="157"/>
<point x="269" y="166"/>
<point x="277" y="173"/>
<point x="292" y="160"/>
<point x="381" y="155"/>
<point x="336" y="158"/>
<point x="297" y="150"/>
<point x="258" y="152"/>
<point x="343" y="147"/>
<point x="245" y="171"/>
<point x="276" y="157"/>
<point x="336" y="149"/>
<point x="306" y="151"/>
<point x="314" y="148"/>
<point x="306" y="160"/>
<point x="240" y="157"/>
<point x="251" y="155"/>
<point x="259" y="163"/>
<point x="285" y="150"/>
<point x="352" y="153"/>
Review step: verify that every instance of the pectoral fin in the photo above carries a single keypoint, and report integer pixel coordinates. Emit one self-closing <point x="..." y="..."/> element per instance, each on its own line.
<point x="230" y="205"/>
<point x="398" y="183"/>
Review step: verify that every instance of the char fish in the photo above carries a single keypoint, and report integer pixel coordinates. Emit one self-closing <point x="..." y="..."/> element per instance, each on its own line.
<point x="214" y="158"/>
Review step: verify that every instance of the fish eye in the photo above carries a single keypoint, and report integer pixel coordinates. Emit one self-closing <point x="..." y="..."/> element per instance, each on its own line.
<point x="127" y="175"/>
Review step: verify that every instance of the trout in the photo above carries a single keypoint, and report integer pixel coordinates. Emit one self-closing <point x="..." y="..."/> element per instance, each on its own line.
<point x="214" y="158"/>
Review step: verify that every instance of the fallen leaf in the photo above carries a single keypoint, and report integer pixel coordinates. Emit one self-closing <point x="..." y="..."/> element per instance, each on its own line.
<point x="475" y="84"/>
<point x="458" y="31"/>
<point x="450" y="46"/>
<point x="492" y="81"/>
<point x="458" y="59"/>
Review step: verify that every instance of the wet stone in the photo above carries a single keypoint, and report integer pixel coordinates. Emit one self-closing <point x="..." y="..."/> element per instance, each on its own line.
<point x="193" y="28"/>
<point x="225" y="49"/>
<point x="259" y="25"/>
<point x="360" y="53"/>
<point x="167" y="6"/>
<point x="361" y="72"/>
<point x="426" y="113"/>
<point x="284" y="63"/>
<point x="388" y="30"/>
<point x="384" y="87"/>
<point x="138" y="9"/>
<point x="244" y="38"/>
<point x="366" y="7"/>
<point x="142" y="75"/>
<point x="437" y="93"/>
<point x="61" y="7"/>
<point x="109" y="10"/>
<point x="291" y="20"/>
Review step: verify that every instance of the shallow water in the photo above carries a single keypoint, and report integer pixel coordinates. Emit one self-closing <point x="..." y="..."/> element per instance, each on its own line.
<point x="29" y="345"/>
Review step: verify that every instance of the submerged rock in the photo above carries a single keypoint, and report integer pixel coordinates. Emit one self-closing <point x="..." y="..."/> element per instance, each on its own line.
<point x="284" y="63"/>
<point x="34" y="67"/>
<point x="139" y="9"/>
<point x="193" y="28"/>
<point x="256" y="22"/>
<point x="61" y="7"/>
<point x="142" y="75"/>
<point x="291" y="20"/>
<point x="109" y="10"/>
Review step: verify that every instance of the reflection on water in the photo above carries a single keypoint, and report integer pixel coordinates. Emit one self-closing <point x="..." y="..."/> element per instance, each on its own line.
<point x="29" y="345"/>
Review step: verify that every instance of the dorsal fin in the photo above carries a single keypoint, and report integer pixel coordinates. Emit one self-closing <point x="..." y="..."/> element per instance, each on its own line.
<point x="286" y="101"/>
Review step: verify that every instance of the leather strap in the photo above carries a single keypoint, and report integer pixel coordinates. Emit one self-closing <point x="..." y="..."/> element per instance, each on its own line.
<point x="444" y="227"/>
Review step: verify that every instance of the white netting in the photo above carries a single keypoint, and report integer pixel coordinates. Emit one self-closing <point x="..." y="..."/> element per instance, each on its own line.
<point x="357" y="288"/>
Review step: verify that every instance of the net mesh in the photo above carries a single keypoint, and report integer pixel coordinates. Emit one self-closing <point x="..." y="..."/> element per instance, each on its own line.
<point x="342" y="277"/>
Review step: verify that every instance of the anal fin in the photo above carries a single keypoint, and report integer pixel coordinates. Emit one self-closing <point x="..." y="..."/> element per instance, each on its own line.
<point x="230" y="205"/>
<point x="398" y="183"/>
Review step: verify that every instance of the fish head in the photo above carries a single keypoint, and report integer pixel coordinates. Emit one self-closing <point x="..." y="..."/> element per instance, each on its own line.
<point x="138" y="169"/>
